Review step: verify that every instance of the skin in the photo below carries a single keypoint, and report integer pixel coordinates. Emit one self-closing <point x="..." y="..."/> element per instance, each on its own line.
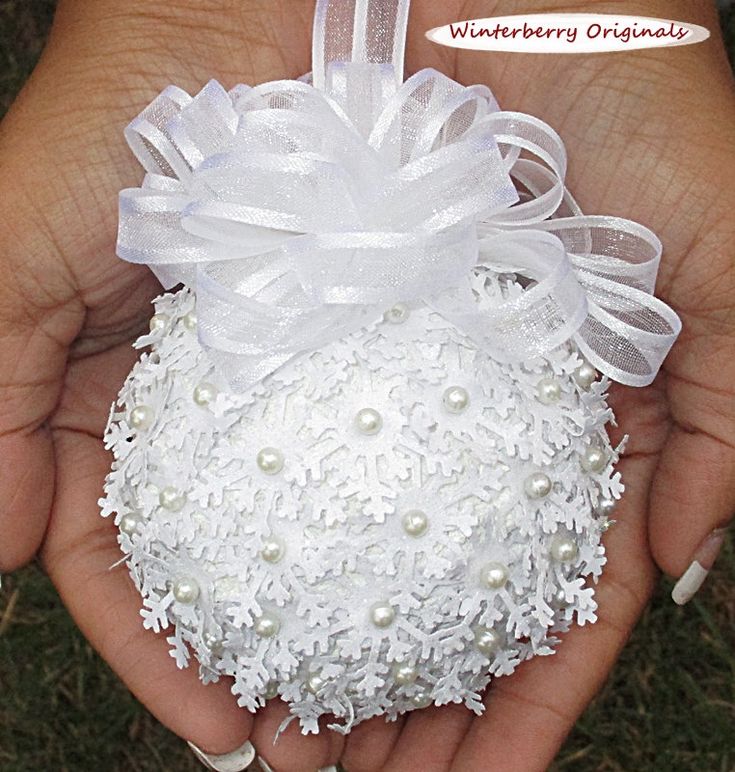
<point x="650" y="136"/>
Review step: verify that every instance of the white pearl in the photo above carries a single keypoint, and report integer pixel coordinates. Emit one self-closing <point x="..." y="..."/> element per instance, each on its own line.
<point x="382" y="614"/>
<point x="159" y="322"/>
<point x="487" y="641"/>
<point x="548" y="391"/>
<point x="212" y="641"/>
<point x="267" y="626"/>
<point x="455" y="399"/>
<point x="405" y="674"/>
<point x="422" y="699"/>
<point x="368" y="421"/>
<point x="205" y="393"/>
<point x="594" y="459"/>
<point x="171" y="498"/>
<point x="271" y="690"/>
<point x="272" y="549"/>
<point x="537" y="485"/>
<point x="315" y="683"/>
<point x="398" y="314"/>
<point x="606" y="507"/>
<point x="270" y="460"/>
<point x="560" y="597"/>
<point x="129" y="523"/>
<point x="415" y="522"/>
<point x="585" y="375"/>
<point x="190" y="320"/>
<point x="494" y="575"/>
<point x="141" y="417"/>
<point x="185" y="590"/>
<point x="564" y="549"/>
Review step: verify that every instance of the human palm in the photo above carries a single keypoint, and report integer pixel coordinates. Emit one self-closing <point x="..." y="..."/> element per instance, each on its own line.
<point x="649" y="136"/>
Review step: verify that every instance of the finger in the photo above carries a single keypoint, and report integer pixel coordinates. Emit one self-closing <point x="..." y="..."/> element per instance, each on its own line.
<point x="692" y="500"/>
<point x="291" y="751"/>
<point x="369" y="746"/>
<point x="530" y="713"/>
<point x="693" y="495"/>
<point x="430" y="739"/>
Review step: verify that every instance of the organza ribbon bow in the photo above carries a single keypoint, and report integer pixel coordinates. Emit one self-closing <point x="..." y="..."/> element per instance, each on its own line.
<point x="300" y="210"/>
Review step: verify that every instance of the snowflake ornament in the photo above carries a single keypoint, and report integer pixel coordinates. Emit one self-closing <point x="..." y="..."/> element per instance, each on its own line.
<point x="362" y="462"/>
<point x="373" y="542"/>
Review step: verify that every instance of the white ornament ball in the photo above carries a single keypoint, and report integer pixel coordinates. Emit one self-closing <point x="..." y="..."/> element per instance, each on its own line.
<point x="382" y="524"/>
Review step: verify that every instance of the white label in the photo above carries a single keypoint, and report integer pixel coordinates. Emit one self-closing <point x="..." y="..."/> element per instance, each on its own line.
<point x="567" y="33"/>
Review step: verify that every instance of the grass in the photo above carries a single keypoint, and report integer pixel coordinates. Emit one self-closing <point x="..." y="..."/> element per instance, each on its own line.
<point x="669" y="705"/>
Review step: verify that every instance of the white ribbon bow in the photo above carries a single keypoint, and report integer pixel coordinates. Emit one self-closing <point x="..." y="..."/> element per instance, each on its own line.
<point x="300" y="211"/>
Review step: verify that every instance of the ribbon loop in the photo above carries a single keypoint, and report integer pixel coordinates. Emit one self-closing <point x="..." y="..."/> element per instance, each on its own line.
<point x="300" y="212"/>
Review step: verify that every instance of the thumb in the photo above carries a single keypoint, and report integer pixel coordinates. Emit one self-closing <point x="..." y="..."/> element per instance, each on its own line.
<point x="39" y="317"/>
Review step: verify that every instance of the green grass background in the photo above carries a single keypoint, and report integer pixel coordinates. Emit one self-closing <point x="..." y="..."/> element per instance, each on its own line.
<point x="669" y="705"/>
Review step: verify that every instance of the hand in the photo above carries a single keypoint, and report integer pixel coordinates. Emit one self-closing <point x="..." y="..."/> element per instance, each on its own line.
<point x="650" y="137"/>
<point x="71" y="309"/>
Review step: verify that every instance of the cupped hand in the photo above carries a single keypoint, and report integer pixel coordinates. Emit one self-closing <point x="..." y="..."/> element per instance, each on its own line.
<point x="650" y="137"/>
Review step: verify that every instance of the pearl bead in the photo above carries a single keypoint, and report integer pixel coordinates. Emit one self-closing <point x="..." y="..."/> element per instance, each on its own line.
<point x="212" y="641"/>
<point x="487" y="641"/>
<point x="271" y="690"/>
<point x="190" y="320"/>
<point x="606" y="507"/>
<point x="585" y="375"/>
<point x="422" y="699"/>
<point x="186" y="590"/>
<point x="548" y="391"/>
<point x="266" y="626"/>
<point x="594" y="459"/>
<point x="172" y="499"/>
<point x="560" y="597"/>
<point x="494" y="575"/>
<point x="141" y="417"/>
<point x="270" y="460"/>
<point x="537" y="485"/>
<point x="382" y="614"/>
<point x="368" y="421"/>
<point x="405" y="674"/>
<point x="272" y="549"/>
<point x="205" y="393"/>
<point x="398" y="314"/>
<point x="159" y="322"/>
<point x="563" y="549"/>
<point x="415" y="522"/>
<point x="129" y="523"/>
<point x="455" y="399"/>
<point x="315" y="683"/>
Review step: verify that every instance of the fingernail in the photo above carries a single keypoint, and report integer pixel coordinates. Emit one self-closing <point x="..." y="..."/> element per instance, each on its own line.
<point x="704" y="558"/>
<point x="228" y="762"/>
